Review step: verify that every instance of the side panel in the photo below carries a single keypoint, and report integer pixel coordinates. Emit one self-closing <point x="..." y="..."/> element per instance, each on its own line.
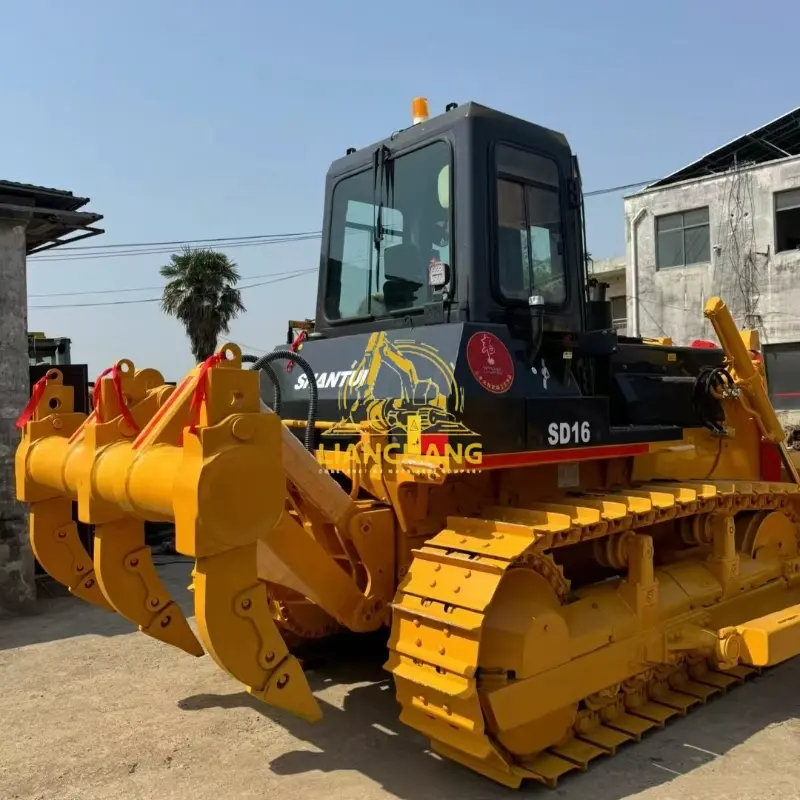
<point x="656" y="385"/>
<point x="464" y="382"/>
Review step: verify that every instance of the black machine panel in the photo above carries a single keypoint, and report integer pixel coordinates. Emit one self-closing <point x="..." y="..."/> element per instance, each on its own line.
<point x="658" y="385"/>
<point x="475" y="383"/>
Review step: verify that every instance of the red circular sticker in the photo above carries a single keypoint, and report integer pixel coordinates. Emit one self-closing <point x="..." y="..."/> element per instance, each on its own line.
<point x="490" y="362"/>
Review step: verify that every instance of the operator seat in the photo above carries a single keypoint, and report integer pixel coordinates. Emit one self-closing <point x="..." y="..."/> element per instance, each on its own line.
<point x="404" y="274"/>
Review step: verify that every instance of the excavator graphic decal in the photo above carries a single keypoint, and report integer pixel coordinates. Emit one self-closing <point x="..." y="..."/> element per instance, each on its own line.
<point x="415" y="398"/>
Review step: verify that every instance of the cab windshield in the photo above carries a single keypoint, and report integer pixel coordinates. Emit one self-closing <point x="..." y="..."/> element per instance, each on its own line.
<point x="370" y="275"/>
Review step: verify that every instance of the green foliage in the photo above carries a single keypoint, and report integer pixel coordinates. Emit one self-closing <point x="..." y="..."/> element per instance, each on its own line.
<point x="201" y="293"/>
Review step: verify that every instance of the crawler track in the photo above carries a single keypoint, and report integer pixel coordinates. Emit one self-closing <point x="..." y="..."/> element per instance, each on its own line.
<point x="440" y="619"/>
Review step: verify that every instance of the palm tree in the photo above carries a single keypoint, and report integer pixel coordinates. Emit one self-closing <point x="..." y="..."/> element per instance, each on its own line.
<point x="201" y="293"/>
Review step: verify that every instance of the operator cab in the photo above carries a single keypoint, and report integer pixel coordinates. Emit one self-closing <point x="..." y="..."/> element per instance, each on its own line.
<point x="453" y="278"/>
<point x="471" y="216"/>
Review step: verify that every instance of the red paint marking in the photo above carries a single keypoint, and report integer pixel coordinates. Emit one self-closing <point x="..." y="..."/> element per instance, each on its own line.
<point x="36" y="395"/>
<point x="201" y="389"/>
<point x="295" y="346"/>
<point x="158" y="416"/>
<point x="490" y="362"/>
<point x="437" y="441"/>
<point x="770" y="462"/>
<point x="116" y="379"/>
<point x="556" y="456"/>
<point x="787" y="394"/>
<point x="434" y="444"/>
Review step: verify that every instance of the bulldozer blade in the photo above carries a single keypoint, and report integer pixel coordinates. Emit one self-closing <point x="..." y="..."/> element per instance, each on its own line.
<point x="237" y="630"/>
<point x="58" y="549"/>
<point x="128" y="579"/>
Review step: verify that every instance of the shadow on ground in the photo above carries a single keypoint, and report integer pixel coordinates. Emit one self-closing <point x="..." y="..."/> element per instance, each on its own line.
<point x="367" y="737"/>
<point x="60" y="615"/>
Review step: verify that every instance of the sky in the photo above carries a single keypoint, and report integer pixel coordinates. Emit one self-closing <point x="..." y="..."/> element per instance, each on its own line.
<point x="192" y="120"/>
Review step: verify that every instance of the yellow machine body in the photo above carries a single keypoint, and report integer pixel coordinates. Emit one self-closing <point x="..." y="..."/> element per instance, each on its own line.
<point x="531" y="628"/>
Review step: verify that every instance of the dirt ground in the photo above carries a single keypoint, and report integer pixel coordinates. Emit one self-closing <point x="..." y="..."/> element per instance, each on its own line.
<point x="91" y="710"/>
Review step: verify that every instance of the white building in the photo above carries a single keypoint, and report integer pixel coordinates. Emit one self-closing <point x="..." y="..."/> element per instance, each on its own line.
<point x="611" y="271"/>
<point x="726" y="225"/>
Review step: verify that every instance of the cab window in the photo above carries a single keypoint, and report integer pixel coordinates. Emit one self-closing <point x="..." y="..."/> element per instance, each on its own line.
<point x="415" y="214"/>
<point x="530" y="232"/>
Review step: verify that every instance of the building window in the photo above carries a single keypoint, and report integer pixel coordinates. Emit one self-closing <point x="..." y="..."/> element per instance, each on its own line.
<point x="787" y="220"/>
<point x="683" y="239"/>
<point x="619" y="313"/>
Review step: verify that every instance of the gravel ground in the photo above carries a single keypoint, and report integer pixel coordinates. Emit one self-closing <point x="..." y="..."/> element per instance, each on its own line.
<point x="92" y="710"/>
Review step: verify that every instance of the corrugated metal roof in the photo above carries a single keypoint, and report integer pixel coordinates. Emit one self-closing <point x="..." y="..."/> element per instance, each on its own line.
<point x="775" y="140"/>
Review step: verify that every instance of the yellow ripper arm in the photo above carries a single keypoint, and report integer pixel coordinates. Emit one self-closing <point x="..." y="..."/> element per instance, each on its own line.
<point x="53" y="436"/>
<point x="210" y="459"/>
<point x="53" y="462"/>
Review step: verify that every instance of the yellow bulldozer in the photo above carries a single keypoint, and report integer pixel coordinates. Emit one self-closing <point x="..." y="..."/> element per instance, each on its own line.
<point x="568" y="536"/>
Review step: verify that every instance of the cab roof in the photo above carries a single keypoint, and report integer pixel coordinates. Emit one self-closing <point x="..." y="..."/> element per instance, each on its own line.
<point x="466" y="113"/>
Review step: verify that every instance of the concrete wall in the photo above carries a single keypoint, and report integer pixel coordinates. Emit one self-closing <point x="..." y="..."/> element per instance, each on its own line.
<point x="612" y="272"/>
<point x="761" y="287"/>
<point x="17" y="587"/>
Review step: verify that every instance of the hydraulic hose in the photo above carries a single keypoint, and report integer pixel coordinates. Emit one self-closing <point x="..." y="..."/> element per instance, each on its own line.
<point x="710" y="384"/>
<point x="263" y="362"/>
<point x="277" y="397"/>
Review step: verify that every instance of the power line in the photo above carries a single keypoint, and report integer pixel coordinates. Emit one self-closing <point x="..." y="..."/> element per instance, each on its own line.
<point x="144" y="251"/>
<point x="158" y="299"/>
<point x="86" y="252"/>
<point x="148" y="288"/>
<point x="218" y="239"/>
<point x="250" y="349"/>
<point x="622" y="188"/>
